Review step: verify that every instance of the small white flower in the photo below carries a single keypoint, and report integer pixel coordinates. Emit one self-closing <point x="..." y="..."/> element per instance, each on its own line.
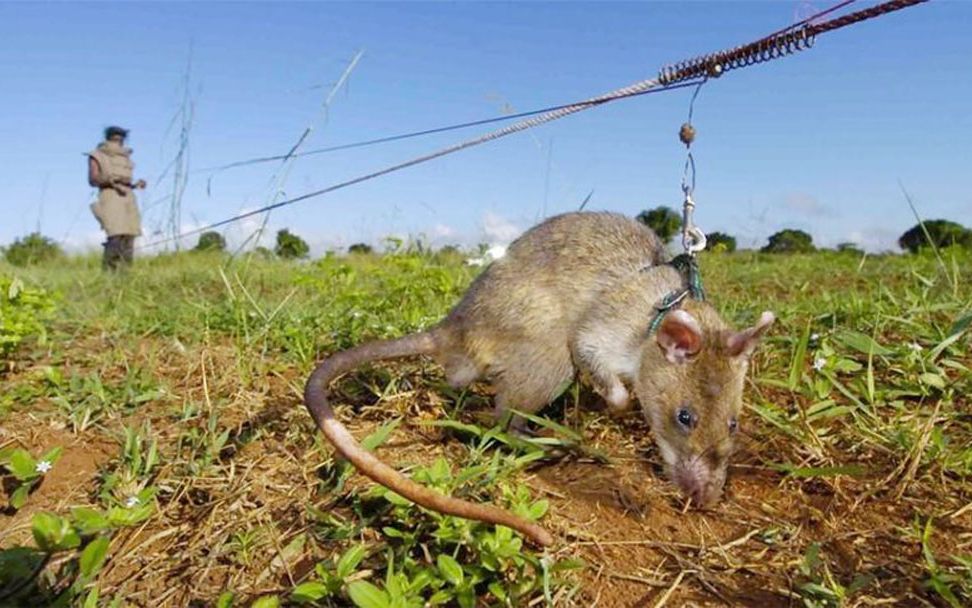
<point x="43" y="466"/>
<point x="819" y="363"/>
<point x="916" y="347"/>
<point x="814" y="337"/>
<point x="131" y="502"/>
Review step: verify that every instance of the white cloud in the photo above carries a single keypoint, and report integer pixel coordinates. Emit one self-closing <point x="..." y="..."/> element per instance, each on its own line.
<point x="497" y="229"/>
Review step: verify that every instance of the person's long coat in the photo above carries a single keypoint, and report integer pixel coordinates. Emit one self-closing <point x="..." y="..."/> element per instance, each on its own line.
<point x="116" y="209"/>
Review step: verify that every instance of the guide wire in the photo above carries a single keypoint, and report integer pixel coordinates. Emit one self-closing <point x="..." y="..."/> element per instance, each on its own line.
<point x="691" y="72"/>
<point x="643" y="87"/>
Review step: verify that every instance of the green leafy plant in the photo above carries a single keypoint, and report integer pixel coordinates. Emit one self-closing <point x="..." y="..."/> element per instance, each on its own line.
<point x="210" y="241"/>
<point x="86" y="398"/>
<point x="24" y="312"/>
<point x="290" y="246"/>
<point x="126" y="497"/>
<point x="264" y="253"/>
<point x="360" y="248"/>
<point x="849" y="248"/>
<point x="125" y="487"/>
<point x="789" y="241"/>
<point x="720" y="242"/>
<point x="953" y="587"/>
<point x="244" y="543"/>
<point x="27" y="471"/>
<point x="935" y="233"/>
<point x="664" y="221"/>
<point x="471" y="559"/>
<point x="332" y="576"/>
<point x="200" y="446"/>
<point x="84" y="546"/>
<point x="34" y="248"/>
<point x="821" y="588"/>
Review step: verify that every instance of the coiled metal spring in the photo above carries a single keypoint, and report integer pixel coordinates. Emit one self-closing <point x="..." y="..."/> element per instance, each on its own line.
<point x="715" y="64"/>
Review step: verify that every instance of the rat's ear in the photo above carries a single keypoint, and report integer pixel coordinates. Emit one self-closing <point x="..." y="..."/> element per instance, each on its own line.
<point x="679" y="336"/>
<point x="744" y="342"/>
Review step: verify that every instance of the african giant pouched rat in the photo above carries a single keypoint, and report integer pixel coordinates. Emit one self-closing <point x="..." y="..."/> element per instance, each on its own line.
<point x="577" y="292"/>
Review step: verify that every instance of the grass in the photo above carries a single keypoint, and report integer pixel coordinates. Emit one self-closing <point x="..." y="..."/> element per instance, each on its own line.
<point x="189" y="473"/>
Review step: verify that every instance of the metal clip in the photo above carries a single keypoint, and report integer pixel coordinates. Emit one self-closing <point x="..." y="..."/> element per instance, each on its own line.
<point x="693" y="238"/>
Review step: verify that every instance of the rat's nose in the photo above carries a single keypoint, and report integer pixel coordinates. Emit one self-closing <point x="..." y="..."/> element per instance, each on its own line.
<point x="696" y="496"/>
<point x="706" y="496"/>
<point x="690" y="484"/>
<point x="694" y="490"/>
<point x="699" y="482"/>
<point x="701" y="493"/>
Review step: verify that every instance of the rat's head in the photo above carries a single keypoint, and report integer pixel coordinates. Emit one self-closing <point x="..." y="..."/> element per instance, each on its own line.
<point x="691" y="385"/>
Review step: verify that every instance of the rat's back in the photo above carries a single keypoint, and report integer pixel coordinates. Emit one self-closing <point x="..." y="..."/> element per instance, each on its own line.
<point x="565" y="261"/>
<point x="526" y="305"/>
<point x="588" y="242"/>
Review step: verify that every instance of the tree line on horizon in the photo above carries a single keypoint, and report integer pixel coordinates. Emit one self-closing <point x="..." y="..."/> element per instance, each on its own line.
<point x="664" y="221"/>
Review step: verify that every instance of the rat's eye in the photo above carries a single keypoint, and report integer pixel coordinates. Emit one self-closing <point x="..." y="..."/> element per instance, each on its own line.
<point x="733" y="425"/>
<point x="685" y="418"/>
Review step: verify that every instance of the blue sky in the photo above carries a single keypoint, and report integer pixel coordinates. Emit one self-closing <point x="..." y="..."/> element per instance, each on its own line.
<point x="816" y="141"/>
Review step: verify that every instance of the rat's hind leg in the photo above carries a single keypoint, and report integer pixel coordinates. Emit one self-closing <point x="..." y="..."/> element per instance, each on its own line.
<point x="531" y="383"/>
<point x="461" y="371"/>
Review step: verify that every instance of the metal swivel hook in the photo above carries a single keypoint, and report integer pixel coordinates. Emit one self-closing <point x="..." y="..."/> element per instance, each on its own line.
<point x="693" y="238"/>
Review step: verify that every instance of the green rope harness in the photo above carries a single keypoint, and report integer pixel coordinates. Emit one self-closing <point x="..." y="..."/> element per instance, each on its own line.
<point x="688" y="266"/>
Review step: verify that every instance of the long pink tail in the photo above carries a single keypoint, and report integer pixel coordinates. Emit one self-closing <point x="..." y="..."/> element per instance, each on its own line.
<point x="315" y="398"/>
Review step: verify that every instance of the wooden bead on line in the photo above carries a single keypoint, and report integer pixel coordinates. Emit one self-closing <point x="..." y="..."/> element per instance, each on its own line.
<point x="686" y="134"/>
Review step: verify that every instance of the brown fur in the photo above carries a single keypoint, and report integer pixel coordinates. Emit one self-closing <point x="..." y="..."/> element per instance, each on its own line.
<point x="575" y="293"/>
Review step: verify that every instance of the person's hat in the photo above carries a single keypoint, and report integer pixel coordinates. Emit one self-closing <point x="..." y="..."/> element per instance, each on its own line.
<point x="114" y="130"/>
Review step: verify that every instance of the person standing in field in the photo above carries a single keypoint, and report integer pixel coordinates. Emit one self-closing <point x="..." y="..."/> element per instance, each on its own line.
<point x="110" y="170"/>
